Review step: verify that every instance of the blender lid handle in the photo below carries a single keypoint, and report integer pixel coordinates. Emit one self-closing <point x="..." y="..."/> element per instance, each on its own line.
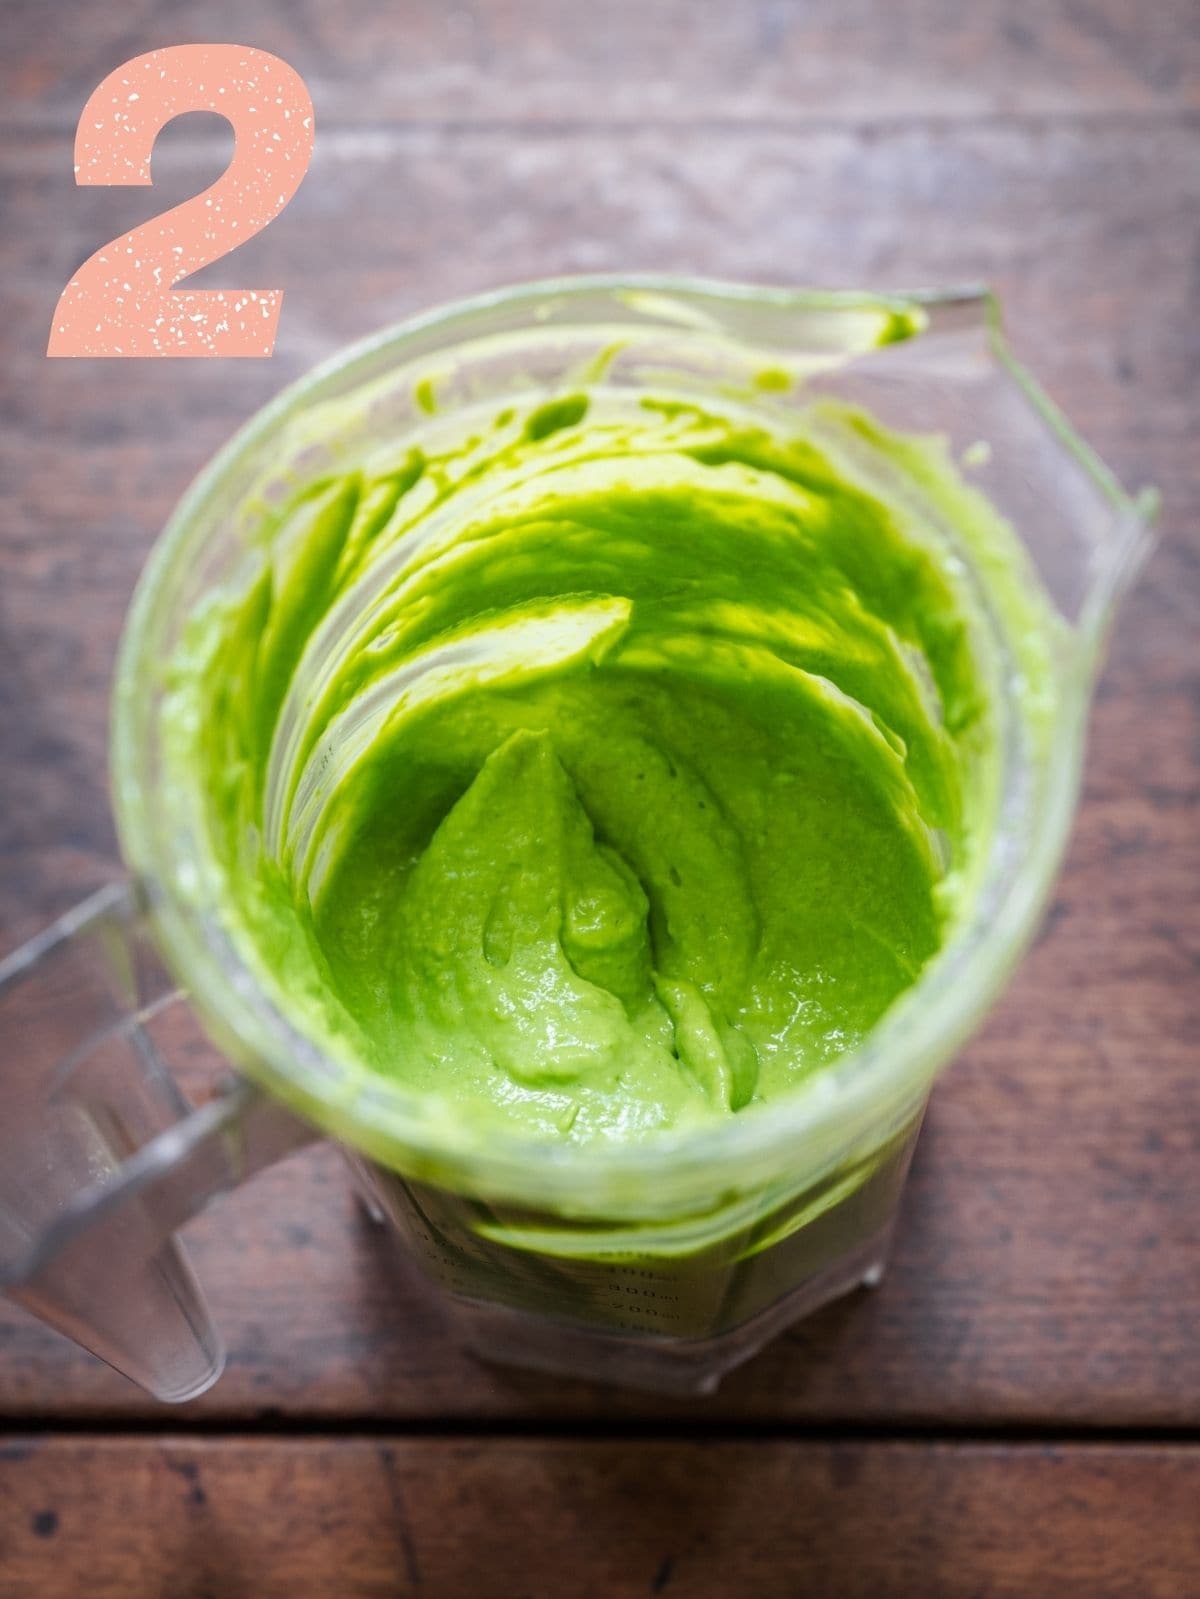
<point x="102" y="1157"/>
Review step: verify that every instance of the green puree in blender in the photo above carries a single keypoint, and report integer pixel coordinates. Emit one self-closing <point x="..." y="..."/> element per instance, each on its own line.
<point x="609" y="766"/>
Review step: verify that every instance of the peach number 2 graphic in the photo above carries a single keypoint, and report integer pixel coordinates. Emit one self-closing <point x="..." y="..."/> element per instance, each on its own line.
<point x="122" y="300"/>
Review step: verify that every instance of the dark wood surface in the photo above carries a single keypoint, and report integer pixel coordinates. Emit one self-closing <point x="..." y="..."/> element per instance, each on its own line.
<point x="1045" y="1287"/>
<point x="267" y="1519"/>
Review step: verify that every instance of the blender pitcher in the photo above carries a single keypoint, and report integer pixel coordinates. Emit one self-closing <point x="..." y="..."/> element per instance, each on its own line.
<point x="659" y="1265"/>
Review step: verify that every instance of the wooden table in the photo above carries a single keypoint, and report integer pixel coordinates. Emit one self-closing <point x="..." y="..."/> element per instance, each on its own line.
<point x="1017" y="1410"/>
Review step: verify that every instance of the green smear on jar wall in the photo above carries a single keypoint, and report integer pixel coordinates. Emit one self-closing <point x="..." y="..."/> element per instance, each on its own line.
<point x="615" y="777"/>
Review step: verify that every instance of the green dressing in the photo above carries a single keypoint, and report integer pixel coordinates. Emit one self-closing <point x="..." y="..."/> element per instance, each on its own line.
<point x="606" y="767"/>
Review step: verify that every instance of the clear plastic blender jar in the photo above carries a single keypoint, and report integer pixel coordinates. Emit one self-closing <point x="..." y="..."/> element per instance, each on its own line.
<point x="660" y="1265"/>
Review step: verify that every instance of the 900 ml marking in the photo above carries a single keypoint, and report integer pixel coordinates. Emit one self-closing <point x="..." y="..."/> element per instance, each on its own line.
<point x="122" y="301"/>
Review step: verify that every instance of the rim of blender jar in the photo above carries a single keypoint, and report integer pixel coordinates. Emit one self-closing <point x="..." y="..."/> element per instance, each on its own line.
<point x="884" y="1077"/>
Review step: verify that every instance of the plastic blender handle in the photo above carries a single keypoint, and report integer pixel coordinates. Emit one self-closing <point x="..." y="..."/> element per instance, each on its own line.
<point x="102" y="1158"/>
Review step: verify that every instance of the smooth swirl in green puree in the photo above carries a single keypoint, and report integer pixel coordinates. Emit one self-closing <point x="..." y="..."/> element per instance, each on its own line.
<point x="612" y="771"/>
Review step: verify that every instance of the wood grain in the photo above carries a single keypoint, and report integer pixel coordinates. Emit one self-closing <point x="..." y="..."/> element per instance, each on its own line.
<point x="179" y="1518"/>
<point x="1046" y="1268"/>
<point x="506" y="61"/>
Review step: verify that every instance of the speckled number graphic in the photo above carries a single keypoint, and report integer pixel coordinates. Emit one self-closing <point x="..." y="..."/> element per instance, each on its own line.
<point x="122" y="300"/>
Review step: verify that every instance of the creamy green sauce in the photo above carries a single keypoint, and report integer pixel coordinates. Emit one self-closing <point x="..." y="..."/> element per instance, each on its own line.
<point x="611" y="767"/>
